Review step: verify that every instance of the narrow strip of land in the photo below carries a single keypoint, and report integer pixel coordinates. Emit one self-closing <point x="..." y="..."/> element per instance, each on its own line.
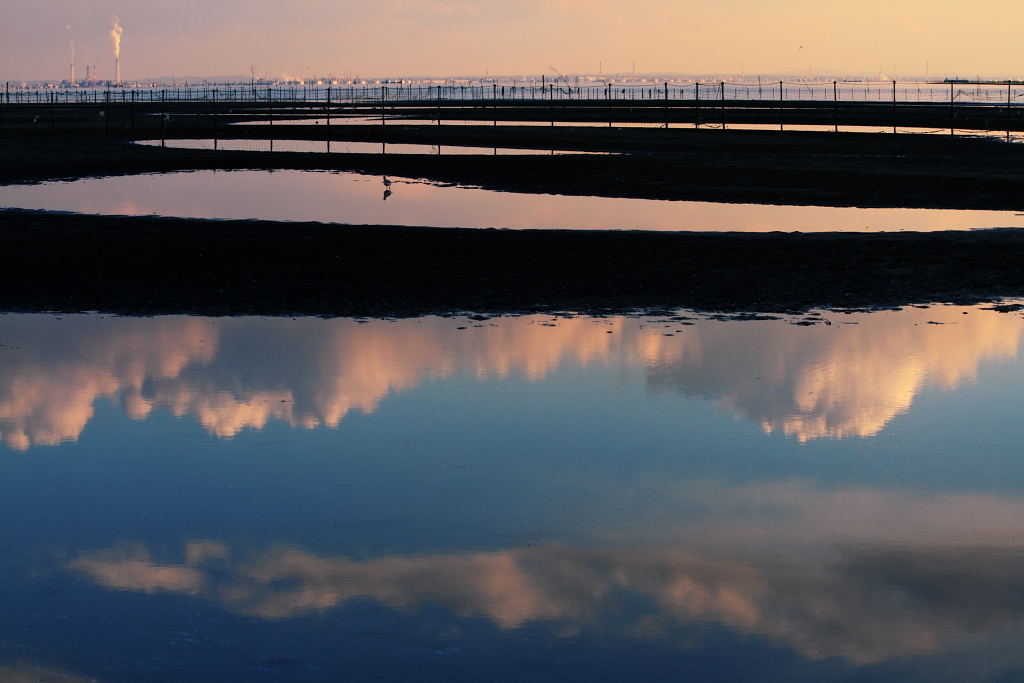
<point x="826" y="169"/>
<point x="149" y="266"/>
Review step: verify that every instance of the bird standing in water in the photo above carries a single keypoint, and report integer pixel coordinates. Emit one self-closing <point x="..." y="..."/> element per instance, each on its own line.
<point x="387" y="183"/>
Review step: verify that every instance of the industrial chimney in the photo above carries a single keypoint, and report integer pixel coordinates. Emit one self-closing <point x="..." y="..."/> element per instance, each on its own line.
<point x="115" y="35"/>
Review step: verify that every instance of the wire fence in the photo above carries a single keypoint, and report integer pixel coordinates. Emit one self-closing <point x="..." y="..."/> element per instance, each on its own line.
<point x="845" y="91"/>
<point x="953" y="107"/>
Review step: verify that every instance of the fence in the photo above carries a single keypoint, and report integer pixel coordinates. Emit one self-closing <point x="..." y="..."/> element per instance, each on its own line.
<point x="952" y="108"/>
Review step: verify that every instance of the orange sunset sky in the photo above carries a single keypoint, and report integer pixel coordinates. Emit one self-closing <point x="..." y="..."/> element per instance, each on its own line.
<point x="407" y="38"/>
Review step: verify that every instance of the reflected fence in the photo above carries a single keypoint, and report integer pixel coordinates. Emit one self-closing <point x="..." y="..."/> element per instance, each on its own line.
<point x="955" y="107"/>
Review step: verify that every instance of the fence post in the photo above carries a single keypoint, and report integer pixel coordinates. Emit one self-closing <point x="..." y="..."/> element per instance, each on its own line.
<point x="835" y="105"/>
<point x="894" y="107"/>
<point x="781" y="127"/>
<point x="951" y="122"/>
<point x="133" y="112"/>
<point x="1008" y="102"/>
<point x="696" y="104"/>
<point x="270" y="109"/>
<point x="107" y="95"/>
<point x="666" y="105"/>
<point x="163" y="115"/>
<point x="328" y="112"/>
<point x="383" y="96"/>
<point x="551" y="101"/>
<point x="214" y="93"/>
<point x="608" y="95"/>
<point x="723" y="105"/>
<point x="495" y="103"/>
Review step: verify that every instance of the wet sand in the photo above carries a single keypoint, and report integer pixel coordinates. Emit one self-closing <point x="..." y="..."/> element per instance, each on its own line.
<point x="149" y="265"/>
<point x="824" y="169"/>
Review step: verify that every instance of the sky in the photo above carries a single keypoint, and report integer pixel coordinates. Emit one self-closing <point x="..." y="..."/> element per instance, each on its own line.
<point x="407" y="38"/>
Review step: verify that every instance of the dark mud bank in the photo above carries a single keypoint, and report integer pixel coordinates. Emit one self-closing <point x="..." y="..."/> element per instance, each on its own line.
<point x="821" y="169"/>
<point x="149" y="266"/>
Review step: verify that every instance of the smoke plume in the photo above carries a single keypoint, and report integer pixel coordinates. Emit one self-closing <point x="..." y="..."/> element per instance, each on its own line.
<point x="115" y="35"/>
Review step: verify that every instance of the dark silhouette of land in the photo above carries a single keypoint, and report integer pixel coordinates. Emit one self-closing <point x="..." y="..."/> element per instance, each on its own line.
<point x="148" y="265"/>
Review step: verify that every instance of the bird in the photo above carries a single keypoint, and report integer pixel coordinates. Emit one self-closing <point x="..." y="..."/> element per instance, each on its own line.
<point x="387" y="183"/>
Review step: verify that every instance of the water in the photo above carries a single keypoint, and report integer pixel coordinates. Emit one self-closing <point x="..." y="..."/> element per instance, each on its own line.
<point x="357" y="199"/>
<point x="547" y="498"/>
<point x="348" y="147"/>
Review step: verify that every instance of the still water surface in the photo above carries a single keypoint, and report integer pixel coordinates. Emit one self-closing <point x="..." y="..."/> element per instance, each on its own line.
<point x="578" y="498"/>
<point x="360" y="199"/>
<point x="349" y="147"/>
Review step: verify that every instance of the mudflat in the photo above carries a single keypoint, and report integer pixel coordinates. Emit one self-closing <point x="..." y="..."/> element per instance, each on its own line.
<point x="764" y="167"/>
<point x="152" y="265"/>
<point x="149" y="265"/>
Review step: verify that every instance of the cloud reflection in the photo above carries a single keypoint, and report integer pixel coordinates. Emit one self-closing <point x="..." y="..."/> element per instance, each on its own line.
<point x="874" y="604"/>
<point x="35" y="673"/>
<point x="867" y="575"/>
<point x="237" y="373"/>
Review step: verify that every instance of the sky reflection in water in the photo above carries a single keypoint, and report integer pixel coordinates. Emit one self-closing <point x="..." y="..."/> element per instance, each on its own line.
<point x="847" y="495"/>
<point x="358" y="199"/>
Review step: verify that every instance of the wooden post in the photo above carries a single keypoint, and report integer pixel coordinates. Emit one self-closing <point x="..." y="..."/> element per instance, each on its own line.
<point x="383" y="96"/>
<point x="1009" y="100"/>
<point x="835" y="105"/>
<point x="781" y="127"/>
<point x="894" y="107"/>
<point x="696" y="104"/>
<point x="163" y="115"/>
<point x="270" y="110"/>
<point x="495" y="104"/>
<point x="951" y="121"/>
<point x="723" y="105"/>
<point x="608" y="95"/>
<point x="666" y="105"/>
<point x="328" y="114"/>
<point x="133" y="112"/>
<point x="107" y="94"/>
<point x="551" y="101"/>
<point x="53" y="113"/>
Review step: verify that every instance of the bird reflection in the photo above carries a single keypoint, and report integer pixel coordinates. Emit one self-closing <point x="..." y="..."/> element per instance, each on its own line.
<point x="387" y="193"/>
<point x="387" y="188"/>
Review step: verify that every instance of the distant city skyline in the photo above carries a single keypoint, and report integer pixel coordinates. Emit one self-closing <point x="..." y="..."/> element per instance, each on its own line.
<point x="422" y="38"/>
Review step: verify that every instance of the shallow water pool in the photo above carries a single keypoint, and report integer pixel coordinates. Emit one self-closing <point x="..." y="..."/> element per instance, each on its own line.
<point x="359" y="199"/>
<point x="831" y="497"/>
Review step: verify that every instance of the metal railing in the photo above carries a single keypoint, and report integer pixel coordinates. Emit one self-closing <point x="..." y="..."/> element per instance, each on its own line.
<point x="950" y="107"/>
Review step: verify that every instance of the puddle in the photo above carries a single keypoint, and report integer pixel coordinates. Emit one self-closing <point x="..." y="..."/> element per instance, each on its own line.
<point x="357" y="199"/>
<point x="467" y="493"/>
<point x="346" y="147"/>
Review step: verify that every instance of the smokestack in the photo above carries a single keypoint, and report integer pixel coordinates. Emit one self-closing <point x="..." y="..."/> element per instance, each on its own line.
<point x="72" y="64"/>
<point x="115" y="35"/>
